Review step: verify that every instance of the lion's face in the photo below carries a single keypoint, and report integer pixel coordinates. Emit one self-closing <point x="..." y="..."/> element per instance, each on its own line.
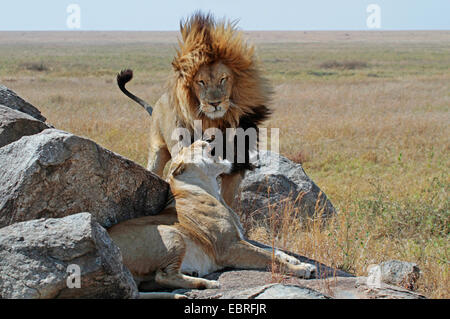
<point x="213" y="85"/>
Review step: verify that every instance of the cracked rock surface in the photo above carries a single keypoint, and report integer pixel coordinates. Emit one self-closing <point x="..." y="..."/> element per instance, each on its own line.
<point x="35" y="255"/>
<point x="254" y="284"/>
<point x="276" y="182"/>
<point x="56" y="174"/>
<point x="15" y="124"/>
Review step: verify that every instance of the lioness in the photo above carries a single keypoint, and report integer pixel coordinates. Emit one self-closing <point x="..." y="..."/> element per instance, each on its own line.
<point x="215" y="80"/>
<point x="198" y="233"/>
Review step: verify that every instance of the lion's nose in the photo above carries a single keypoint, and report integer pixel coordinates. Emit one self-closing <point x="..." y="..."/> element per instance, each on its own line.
<point x="215" y="104"/>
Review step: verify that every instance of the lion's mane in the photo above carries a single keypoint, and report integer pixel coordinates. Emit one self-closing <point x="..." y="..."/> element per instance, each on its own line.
<point x="205" y="41"/>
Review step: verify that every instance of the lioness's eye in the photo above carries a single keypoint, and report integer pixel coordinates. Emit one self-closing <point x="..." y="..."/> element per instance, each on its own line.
<point x="201" y="83"/>
<point x="222" y="81"/>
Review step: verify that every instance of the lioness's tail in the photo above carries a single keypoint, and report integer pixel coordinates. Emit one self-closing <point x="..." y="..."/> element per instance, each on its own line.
<point x="123" y="78"/>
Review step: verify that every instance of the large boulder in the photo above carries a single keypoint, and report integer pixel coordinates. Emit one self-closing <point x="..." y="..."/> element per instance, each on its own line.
<point x="37" y="258"/>
<point x="395" y="272"/>
<point x="276" y="183"/>
<point x="56" y="174"/>
<point x="15" y="124"/>
<point x="12" y="100"/>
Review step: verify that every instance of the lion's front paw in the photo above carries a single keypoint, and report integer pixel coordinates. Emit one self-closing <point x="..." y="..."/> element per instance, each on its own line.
<point x="286" y="258"/>
<point x="291" y="260"/>
<point x="304" y="270"/>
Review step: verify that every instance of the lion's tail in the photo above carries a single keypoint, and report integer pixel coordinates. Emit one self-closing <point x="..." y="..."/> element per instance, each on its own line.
<point x="123" y="78"/>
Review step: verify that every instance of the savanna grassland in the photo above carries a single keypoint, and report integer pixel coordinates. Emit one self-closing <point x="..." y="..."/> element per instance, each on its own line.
<point x="366" y="113"/>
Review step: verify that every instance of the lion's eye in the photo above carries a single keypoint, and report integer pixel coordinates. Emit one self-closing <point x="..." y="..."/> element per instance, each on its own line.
<point x="201" y="83"/>
<point x="223" y="80"/>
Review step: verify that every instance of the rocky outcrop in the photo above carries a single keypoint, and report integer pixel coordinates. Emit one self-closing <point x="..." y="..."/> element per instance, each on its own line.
<point x="15" y="124"/>
<point x="35" y="257"/>
<point x="253" y="284"/>
<point x="279" y="291"/>
<point x="277" y="182"/>
<point x="13" y="101"/>
<point x="330" y="283"/>
<point x="48" y="178"/>
<point x="56" y="174"/>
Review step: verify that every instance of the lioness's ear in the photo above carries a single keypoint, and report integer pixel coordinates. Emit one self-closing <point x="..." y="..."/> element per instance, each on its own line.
<point x="179" y="169"/>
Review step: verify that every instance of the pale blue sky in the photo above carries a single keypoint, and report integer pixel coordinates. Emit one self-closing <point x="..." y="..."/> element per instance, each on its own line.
<point x="253" y="14"/>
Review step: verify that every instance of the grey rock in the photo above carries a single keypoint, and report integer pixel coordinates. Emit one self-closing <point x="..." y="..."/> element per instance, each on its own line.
<point x="56" y="174"/>
<point x="280" y="291"/>
<point x="15" y="124"/>
<point x="35" y="256"/>
<point x="276" y="182"/>
<point x="357" y="288"/>
<point x="395" y="272"/>
<point x="10" y="99"/>
<point x="268" y="291"/>
<point x="254" y="284"/>
<point x="366" y="290"/>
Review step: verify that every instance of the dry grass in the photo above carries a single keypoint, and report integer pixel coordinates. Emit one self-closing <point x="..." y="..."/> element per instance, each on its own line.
<point x="344" y="65"/>
<point x="40" y="67"/>
<point x="379" y="150"/>
<point x="374" y="135"/>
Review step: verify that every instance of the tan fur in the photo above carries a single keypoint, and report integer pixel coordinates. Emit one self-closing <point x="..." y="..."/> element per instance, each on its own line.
<point x="196" y="233"/>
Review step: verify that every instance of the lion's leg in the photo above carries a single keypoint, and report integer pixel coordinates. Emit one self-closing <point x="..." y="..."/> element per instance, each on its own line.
<point x="157" y="159"/>
<point x="247" y="256"/>
<point x="230" y="186"/>
<point x="169" y="273"/>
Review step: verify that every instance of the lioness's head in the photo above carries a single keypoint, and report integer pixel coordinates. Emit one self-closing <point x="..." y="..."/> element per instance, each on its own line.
<point x="196" y="161"/>
<point x="213" y="85"/>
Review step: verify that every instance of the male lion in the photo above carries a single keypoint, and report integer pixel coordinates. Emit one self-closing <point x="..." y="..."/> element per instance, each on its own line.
<point x="198" y="233"/>
<point x="216" y="81"/>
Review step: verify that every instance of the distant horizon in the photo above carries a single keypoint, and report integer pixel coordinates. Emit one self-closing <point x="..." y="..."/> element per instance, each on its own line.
<point x="175" y="31"/>
<point x="253" y="15"/>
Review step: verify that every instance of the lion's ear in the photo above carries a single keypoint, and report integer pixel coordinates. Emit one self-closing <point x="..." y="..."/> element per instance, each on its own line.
<point x="178" y="69"/>
<point x="176" y="65"/>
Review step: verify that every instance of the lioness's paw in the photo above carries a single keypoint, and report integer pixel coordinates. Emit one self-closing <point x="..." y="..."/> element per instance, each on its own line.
<point x="305" y="270"/>
<point x="289" y="259"/>
<point x="213" y="284"/>
<point x="285" y="257"/>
